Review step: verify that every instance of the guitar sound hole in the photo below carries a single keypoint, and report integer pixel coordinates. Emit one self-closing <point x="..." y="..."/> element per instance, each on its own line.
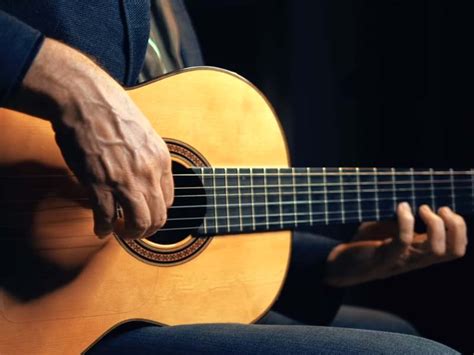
<point x="188" y="210"/>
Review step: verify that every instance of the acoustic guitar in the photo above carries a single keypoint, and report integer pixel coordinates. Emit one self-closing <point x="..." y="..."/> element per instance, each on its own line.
<point x="224" y="252"/>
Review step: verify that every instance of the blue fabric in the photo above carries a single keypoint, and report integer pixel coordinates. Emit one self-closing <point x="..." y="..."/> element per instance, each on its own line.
<point x="19" y="44"/>
<point x="114" y="33"/>
<point x="261" y="339"/>
<point x="371" y="319"/>
<point x="355" y="318"/>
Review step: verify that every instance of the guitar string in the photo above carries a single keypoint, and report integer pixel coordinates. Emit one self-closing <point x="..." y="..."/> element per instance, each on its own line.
<point x="329" y="172"/>
<point x="265" y="215"/>
<point x="298" y="202"/>
<point x="321" y="192"/>
<point x="340" y="184"/>
<point x="383" y="214"/>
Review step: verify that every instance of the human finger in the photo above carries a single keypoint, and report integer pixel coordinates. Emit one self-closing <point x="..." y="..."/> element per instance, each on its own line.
<point x="456" y="232"/>
<point x="406" y="224"/>
<point x="435" y="230"/>
<point x="167" y="185"/>
<point x="136" y="214"/>
<point x="103" y="211"/>
<point x="157" y="209"/>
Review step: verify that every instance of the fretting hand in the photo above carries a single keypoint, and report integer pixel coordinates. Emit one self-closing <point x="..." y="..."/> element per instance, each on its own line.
<point x="383" y="249"/>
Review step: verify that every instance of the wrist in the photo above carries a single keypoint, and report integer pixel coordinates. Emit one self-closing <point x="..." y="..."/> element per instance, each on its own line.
<point x="352" y="263"/>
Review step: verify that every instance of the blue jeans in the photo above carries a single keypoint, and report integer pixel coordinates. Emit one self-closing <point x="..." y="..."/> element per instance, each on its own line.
<point x="272" y="339"/>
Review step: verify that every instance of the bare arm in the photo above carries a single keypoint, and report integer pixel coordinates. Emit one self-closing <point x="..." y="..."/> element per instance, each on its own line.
<point x="105" y="139"/>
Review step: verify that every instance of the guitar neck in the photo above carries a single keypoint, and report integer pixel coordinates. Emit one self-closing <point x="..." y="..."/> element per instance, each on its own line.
<point x="260" y="199"/>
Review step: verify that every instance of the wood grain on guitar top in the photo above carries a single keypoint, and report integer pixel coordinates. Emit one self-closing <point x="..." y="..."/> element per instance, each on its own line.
<point x="61" y="287"/>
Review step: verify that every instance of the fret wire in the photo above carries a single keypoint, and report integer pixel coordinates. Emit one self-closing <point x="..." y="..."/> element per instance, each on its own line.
<point x="215" y="204"/>
<point x="359" y="204"/>
<point x="310" y="192"/>
<point x="280" y="197"/>
<point x="295" y="209"/>
<point x="240" y="199"/>
<point x="341" y="196"/>
<point x="413" y="199"/>
<point x="265" y="192"/>
<point x="205" y="219"/>
<point x="453" y="193"/>
<point x="432" y="195"/>
<point x="226" y="197"/>
<point x="394" y="191"/>
<point x="376" y="193"/>
<point x="252" y="198"/>
<point x="325" y="201"/>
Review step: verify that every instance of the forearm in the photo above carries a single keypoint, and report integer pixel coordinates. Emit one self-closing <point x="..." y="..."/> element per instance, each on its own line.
<point x="59" y="77"/>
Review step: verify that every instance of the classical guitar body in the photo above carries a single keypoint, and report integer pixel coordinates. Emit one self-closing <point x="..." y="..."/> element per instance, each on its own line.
<point x="61" y="288"/>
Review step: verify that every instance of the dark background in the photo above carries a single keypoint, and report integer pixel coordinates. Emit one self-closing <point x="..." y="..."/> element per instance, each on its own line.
<point x="365" y="83"/>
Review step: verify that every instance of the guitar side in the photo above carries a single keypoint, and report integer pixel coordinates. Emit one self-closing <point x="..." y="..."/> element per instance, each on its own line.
<point x="63" y="288"/>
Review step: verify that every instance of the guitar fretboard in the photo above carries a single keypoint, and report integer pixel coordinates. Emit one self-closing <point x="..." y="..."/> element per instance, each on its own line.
<point x="260" y="199"/>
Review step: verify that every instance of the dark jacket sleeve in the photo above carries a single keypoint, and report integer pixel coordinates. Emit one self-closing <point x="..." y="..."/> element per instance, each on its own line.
<point x="19" y="44"/>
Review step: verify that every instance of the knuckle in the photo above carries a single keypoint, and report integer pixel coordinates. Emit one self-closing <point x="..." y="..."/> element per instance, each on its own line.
<point x="459" y="252"/>
<point x="408" y="218"/>
<point x="140" y="225"/>
<point x="161" y="220"/>
<point x="164" y="159"/>
<point x="459" y="223"/>
<point x="437" y="223"/>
